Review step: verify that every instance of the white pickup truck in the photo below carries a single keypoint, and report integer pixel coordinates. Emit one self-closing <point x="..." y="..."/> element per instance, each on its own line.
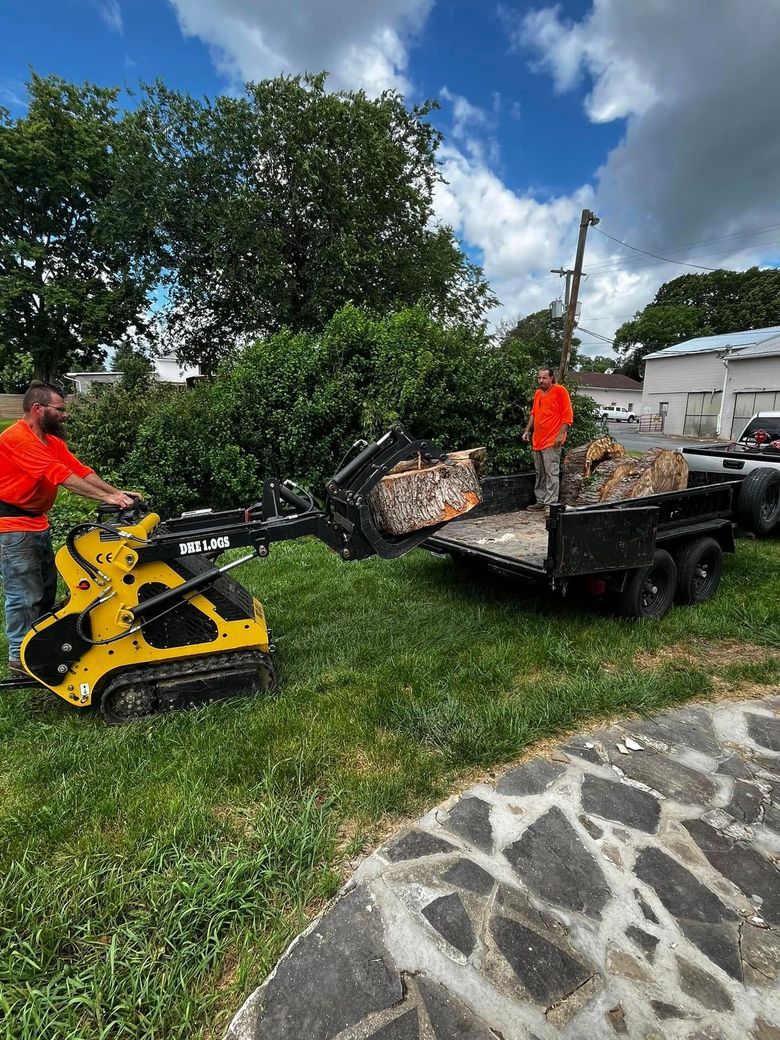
<point x="753" y="459"/>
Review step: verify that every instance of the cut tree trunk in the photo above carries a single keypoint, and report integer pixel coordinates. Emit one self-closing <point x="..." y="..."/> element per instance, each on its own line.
<point x="616" y="479"/>
<point x="416" y="494"/>
<point x="476" y="456"/>
<point x="580" y="463"/>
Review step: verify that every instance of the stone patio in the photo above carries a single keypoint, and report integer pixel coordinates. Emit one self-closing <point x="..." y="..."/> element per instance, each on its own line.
<point x="627" y="886"/>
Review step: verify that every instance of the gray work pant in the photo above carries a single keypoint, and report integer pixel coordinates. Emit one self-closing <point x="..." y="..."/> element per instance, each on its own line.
<point x="547" y="464"/>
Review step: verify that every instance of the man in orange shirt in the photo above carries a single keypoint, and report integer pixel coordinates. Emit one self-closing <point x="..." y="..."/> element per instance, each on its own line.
<point x="34" y="463"/>
<point x="551" y="417"/>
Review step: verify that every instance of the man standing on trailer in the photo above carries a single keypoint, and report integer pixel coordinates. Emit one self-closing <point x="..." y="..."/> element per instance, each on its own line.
<point x="549" y="422"/>
<point x="34" y="463"/>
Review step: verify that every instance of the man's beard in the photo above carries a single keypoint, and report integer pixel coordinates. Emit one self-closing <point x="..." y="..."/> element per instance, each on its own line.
<point x="53" y="425"/>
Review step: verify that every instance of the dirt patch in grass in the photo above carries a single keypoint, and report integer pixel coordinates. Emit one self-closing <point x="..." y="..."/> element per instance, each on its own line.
<point x="704" y="654"/>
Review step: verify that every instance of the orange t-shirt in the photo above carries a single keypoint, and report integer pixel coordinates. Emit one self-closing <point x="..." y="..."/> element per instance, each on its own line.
<point x="550" y="411"/>
<point x="31" y="470"/>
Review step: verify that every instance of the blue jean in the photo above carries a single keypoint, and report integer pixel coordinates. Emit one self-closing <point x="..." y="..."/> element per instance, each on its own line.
<point x="29" y="582"/>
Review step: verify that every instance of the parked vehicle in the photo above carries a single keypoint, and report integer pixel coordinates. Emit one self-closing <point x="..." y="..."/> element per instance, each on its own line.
<point x="614" y="414"/>
<point x="754" y="461"/>
<point x="640" y="554"/>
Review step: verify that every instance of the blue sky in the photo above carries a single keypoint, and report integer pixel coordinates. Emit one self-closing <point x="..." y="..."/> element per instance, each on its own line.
<point x="660" y="117"/>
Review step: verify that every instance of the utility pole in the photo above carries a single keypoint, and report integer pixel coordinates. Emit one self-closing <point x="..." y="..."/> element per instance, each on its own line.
<point x="586" y="220"/>
<point x="564" y="273"/>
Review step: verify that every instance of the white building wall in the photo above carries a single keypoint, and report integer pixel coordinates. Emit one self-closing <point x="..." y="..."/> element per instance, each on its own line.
<point x="751" y="375"/>
<point x="671" y="379"/>
<point x="631" y="399"/>
<point x="169" y="370"/>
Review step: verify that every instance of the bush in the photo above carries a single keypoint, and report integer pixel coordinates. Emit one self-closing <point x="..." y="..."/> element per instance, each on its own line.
<point x="103" y="425"/>
<point x="185" y="458"/>
<point x="291" y="405"/>
<point x="67" y="511"/>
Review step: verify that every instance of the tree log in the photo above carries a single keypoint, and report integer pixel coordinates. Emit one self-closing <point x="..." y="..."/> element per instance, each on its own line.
<point x="580" y="463"/>
<point x="416" y="495"/>
<point x="476" y="456"/>
<point x="616" y="479"/>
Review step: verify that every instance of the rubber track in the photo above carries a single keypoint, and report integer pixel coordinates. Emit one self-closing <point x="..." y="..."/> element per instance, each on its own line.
<point x="216" y="664"/>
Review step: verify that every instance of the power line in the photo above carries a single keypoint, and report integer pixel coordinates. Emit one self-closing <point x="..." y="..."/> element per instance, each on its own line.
<point x="590" y="332"/>
<point x="710" y="241"/>
<point x="636" y="249"/>
<point x="610" y="317"/>
<point x="640" y="262"/>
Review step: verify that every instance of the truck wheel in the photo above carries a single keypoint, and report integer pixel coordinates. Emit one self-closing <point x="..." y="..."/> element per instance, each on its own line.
<point x="758" y="505"/>
<point x="699" y="570"/>
<point x="631" y="418"/>
<point x="649" y="591"/>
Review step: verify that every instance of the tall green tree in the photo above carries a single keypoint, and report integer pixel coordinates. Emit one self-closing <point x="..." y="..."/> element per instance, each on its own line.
<point x="281" y="206"/>
<point x="598" y="363"/>
<point x="699" y="305"/>
<point x="540" y="337"/>
<point x="75" y="262"/>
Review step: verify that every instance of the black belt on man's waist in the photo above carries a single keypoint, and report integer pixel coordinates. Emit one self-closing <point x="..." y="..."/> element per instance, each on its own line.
<point x="6" y="509"/>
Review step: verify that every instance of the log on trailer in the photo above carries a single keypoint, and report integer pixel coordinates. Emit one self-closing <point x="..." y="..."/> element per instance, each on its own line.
<point x="580" y="462"/>
<point x="417" y="494"/>
<point x="622" y="477"/>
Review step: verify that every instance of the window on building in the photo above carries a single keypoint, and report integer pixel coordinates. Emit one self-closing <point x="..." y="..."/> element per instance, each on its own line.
<point x="630" y="406"/>
<point x="701" y="414"/>
<point x="747" y="404"/>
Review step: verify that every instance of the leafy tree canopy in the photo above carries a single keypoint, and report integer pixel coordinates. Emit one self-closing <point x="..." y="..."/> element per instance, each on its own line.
<point x="281" y="206"/>
<point x="599" y="363"/>
<point x="540" y="337"/>
<point x="699" y="305"/>
<point x="74" y="266"/>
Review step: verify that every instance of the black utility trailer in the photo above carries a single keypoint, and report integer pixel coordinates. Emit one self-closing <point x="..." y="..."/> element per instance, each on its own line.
<point x="642" y="553"/>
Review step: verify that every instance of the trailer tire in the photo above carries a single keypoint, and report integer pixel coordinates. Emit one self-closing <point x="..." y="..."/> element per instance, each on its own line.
<point x="699" y="570"/>
<point x="649" y="591"/>
<point x="758" y="505"/>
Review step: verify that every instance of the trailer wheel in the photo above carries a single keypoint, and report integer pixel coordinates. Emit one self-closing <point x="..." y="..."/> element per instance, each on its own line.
<point x="758" y="506"/>
<point x="699" y="570"/>
<point x="649" y="591"/>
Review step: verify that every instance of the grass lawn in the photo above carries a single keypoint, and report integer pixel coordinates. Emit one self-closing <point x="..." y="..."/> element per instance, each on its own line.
<point x="152" y="874"/>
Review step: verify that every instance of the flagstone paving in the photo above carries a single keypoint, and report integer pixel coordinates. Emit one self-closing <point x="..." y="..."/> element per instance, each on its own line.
<point x="629" y="887"/>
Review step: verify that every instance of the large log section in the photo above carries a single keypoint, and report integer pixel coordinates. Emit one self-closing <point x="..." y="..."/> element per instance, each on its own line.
<point x="417" y="494"/>
<point x="580" y="463"/>
<point x="601" y="472"/>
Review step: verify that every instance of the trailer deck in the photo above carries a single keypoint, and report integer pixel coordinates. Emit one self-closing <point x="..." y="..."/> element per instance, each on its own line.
<point x="613" y="537"/>
<point x="517" y="535"/>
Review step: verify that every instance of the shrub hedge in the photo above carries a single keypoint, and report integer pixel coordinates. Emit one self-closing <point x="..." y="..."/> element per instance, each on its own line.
<point x="291" y="405"/>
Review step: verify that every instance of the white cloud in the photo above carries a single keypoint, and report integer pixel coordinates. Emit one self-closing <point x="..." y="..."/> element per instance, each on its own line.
<point x="13" y="92"/>
<point x="698" y="157"/>
<point x="520" y="240"/>
<point x="111" y="13"/>
<point x="621" y="85"/>
<point x="473" y="127"/>
<point x="360" y="43"/>
<point x="701" y="147"/>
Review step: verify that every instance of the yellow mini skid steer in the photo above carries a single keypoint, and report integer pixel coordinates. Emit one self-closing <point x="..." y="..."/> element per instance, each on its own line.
<point x="151" y="623"/>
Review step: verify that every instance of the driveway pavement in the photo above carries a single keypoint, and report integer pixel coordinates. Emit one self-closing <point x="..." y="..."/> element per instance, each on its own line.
<point x="632" y="440"/>
<point x="625" y="885"/>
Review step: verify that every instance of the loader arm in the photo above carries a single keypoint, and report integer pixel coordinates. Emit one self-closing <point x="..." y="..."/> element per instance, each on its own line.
<point x="344" y="523"/>
<point x="151" y="622"/>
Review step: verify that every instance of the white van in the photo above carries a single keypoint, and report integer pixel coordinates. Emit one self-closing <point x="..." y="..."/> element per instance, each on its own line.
<point x="614" y="414"/>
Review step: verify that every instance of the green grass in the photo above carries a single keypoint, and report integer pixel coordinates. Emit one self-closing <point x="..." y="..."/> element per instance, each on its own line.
<point x="152" y="874"/>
